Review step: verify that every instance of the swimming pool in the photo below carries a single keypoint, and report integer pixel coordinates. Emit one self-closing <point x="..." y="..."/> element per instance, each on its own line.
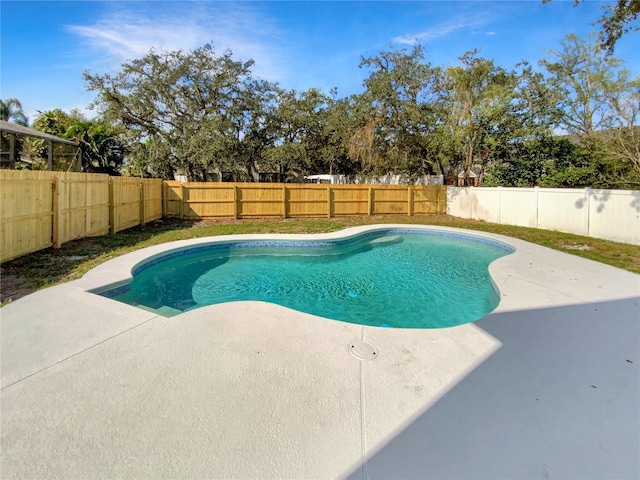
<point x="393" y="277"/>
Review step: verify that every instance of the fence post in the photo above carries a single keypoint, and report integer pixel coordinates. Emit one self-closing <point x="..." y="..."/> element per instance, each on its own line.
<point x="182" y="200"/>
<point x="236" y="202"/>
<point x="328" y="202"/>
<point x="587" y="204"/>
<point x="370" y="202"/>
<point x="56" y="217"/>
<point x="284" y="200"/>
<point x="409" y="200"/>
<point x="141" y="186"/>
<point x="537" y="190"/>
<point x="112" y="207"/>
<point x="163" y="193"/>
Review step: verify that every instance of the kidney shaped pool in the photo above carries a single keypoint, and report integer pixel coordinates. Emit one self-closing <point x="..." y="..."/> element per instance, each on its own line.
<point x="400" y="278"/>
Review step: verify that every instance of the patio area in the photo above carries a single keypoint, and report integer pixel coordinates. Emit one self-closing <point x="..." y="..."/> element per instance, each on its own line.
<point x="546" y="386"/>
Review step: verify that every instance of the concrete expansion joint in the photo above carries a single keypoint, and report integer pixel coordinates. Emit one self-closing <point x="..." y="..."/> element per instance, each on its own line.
<point x="355" y="348"/>
<point x="79" y="353"/>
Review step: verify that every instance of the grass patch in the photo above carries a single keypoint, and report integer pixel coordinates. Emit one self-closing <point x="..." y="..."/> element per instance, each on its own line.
<point x="48" y="267"/>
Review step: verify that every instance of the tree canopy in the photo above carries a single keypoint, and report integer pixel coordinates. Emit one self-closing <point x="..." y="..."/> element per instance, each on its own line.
<point x="193" y="106"/>
<point x="101" y="147"/>
<point x="618" y="19"/>
<point x="570" y="122"/>
<point x="600" y="107"/>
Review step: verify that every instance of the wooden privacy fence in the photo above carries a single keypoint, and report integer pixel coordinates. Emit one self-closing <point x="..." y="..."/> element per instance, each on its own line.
<point x="253" y="200"/>
<point x="134" y="201"/>
<point x="44" y="209"/>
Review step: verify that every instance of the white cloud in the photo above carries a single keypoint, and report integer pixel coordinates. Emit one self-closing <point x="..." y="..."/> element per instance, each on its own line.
<point x="128" y="33"/>
<point x="459" y="23"/>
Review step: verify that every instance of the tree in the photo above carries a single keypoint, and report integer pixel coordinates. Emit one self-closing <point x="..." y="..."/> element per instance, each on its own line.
<point x="582" y="75"/>
<point x="100" y="143"/>
<point x="148" y="158"/>
<point x="338" y="130"/>
<point x="546" y="161"/>
<point x="477" y="98"/>
<point x="11" y="111"/>
<point x="601" y="106"/>
<point x="252" y="128"/>
<point x="615" y="21"/>
<point x="298" y="126"/>
<point x="183" y="101"/>
<point x="54" y="122"/>
<point x="101" y="147"/>
<point x="395" y="116"/>
<point x="619" y="145"/>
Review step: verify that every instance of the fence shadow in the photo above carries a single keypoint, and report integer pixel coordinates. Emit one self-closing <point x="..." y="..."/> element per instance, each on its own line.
<point x="558" y="399"/>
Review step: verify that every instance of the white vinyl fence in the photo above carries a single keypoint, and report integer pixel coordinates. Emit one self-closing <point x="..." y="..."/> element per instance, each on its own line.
<point x="608" y="214"/>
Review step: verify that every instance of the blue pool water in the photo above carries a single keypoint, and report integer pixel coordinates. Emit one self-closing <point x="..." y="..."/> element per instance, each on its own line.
<point x="388" y="279"/>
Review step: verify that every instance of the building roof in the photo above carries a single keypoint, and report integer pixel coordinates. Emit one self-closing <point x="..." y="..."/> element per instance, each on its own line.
<point x="22" y="130"/>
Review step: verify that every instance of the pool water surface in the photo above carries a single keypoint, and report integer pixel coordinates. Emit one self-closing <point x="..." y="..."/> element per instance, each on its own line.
<point x="395" y="278"/>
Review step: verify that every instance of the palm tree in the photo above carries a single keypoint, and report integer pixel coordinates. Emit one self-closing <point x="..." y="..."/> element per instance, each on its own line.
<point x="11" y="111"/>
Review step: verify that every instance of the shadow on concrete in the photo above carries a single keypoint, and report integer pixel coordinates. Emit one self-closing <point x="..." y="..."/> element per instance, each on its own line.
<point x="559" y="399"/>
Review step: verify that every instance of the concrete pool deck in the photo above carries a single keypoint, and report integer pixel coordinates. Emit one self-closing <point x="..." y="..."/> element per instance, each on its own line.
<point x="546" y="386"/>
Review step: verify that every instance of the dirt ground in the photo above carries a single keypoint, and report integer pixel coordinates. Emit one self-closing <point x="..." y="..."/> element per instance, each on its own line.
<point x="18" y="277"/>
<point x="25" y="275"/>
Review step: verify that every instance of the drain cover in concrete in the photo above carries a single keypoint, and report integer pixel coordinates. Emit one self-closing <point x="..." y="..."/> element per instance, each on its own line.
<point x="363" y="350"/>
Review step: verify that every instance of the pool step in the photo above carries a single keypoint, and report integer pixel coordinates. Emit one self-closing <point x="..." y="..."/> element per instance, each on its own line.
<point x="386" y="240"/>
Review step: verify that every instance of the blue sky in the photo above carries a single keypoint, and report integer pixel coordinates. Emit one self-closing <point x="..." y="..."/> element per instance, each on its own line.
<point x="47" y="45"/>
